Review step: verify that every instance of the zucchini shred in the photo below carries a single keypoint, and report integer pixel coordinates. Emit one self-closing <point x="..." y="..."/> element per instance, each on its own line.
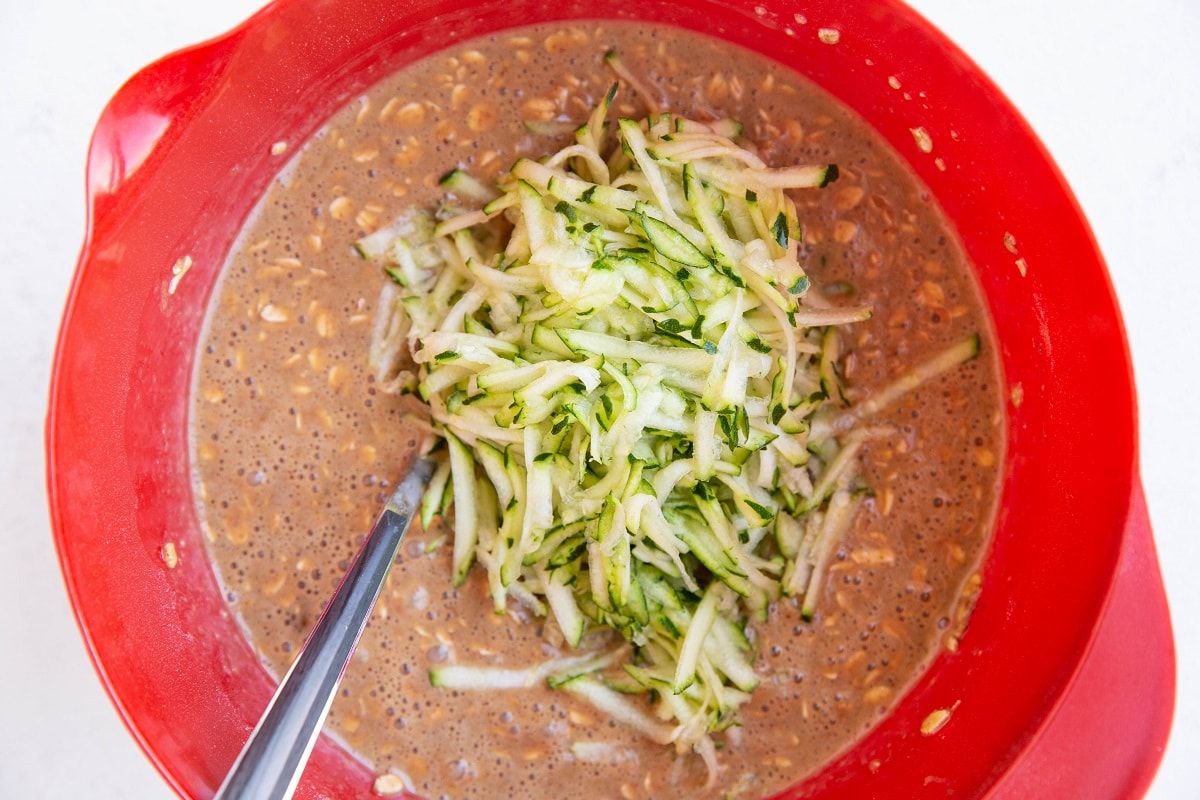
<point x="637" y="404"/>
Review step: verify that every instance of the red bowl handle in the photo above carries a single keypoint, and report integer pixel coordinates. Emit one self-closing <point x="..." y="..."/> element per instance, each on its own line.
<point x="1126" y="679"/>
<point x="146" y="114"/>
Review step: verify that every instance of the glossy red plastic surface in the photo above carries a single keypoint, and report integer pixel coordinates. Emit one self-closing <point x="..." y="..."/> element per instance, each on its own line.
<point x="1064" y="683"/>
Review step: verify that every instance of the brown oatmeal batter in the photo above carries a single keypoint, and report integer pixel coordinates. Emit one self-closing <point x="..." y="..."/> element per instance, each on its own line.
<point x="295" y="448"/>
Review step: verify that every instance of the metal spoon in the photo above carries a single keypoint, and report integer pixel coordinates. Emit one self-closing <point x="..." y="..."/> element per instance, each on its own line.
<point x="270" y="764"/>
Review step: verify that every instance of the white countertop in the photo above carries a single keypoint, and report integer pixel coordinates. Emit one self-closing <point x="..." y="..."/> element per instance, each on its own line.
<point x="1110" y="89"/>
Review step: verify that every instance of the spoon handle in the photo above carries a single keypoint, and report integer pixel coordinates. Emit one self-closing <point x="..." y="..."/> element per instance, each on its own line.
<point x="270" y="764"/>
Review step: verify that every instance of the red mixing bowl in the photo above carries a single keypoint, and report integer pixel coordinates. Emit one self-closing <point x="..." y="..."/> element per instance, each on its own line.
<point x="1063" y="686"/>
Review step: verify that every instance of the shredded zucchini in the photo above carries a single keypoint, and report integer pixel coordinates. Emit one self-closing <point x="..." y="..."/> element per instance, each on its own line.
<point x="619" y="353"/>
